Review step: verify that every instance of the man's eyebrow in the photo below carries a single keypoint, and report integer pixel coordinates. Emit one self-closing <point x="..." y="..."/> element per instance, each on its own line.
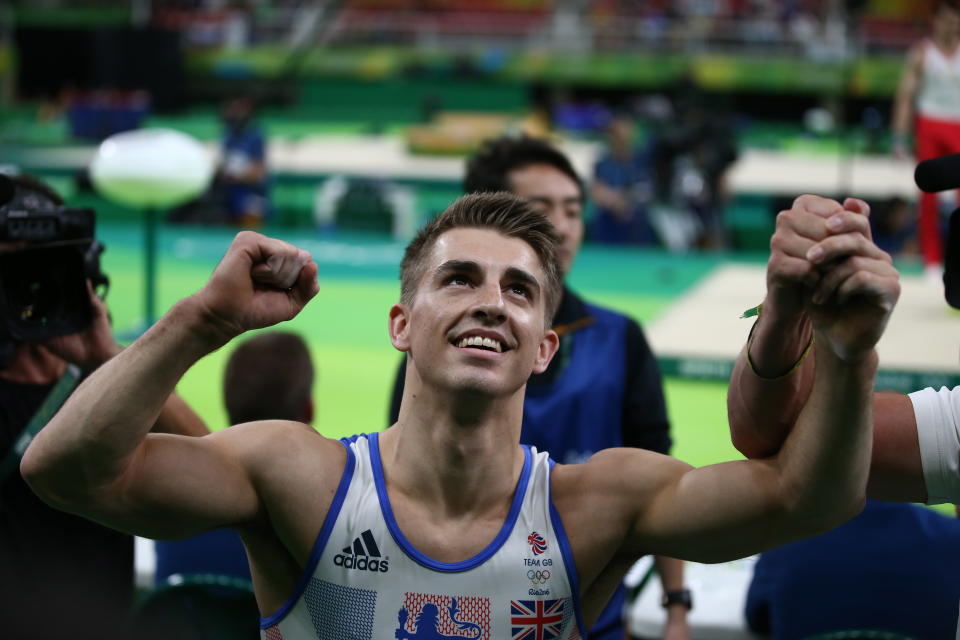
<point x="524" y="277"/>
<point x="457" y="266"/>
<point x="548" y="200"/>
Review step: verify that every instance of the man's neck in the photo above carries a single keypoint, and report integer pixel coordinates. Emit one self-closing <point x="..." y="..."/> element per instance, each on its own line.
<point x="946" y="41"/>
<point x="33" y="364"/>
<point x="456" y="454"/>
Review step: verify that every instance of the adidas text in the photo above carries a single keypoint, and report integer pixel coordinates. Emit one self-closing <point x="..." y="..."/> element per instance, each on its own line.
<point x="361" y="563"/>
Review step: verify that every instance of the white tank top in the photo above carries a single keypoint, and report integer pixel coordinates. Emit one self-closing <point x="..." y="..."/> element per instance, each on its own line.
<point x="939" y="94"/>
<point x="365" y="580"/>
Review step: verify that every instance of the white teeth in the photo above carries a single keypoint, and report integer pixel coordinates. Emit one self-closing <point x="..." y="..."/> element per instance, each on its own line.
<point x="477" y="341"/>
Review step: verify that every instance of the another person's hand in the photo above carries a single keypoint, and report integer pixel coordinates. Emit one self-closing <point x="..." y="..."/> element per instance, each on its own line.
<point x="676" y="627"/>
<point x="259" y="282"/>
<point x="900" y="149"/>
<point x="790" y="275"/>
<point x="91" y="348"/>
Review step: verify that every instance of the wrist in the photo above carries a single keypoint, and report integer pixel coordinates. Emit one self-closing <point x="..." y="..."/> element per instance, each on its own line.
<point x="679" y="600"/>
<point x="676" y="614"/>
<point x="778" y="345"/>
<point x="861" y="361"/>
<point x="205" y="330"/>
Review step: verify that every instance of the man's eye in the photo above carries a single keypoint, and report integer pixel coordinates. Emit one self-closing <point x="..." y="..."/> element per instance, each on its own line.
<point x="458" y="280"/>
<point x="520" y="290"/>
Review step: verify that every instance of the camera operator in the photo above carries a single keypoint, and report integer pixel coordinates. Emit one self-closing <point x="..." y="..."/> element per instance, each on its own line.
<point x="60" y="575"/>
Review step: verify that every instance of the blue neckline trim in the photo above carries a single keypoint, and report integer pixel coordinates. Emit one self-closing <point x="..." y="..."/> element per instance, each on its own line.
<point x="567" y="554"/>
<point x="321" y="542"/>
<point x="424" y="560"/>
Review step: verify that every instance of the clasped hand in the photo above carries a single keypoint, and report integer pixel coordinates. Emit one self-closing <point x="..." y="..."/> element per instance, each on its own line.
<point x="824" y="264"/>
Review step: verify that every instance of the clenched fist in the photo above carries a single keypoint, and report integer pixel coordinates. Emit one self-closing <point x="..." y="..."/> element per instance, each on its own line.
<point x="259" y="282"/>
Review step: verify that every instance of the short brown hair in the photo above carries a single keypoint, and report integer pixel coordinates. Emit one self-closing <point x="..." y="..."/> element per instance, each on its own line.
<point x="502" y="212"/>
<point x="269" y="377"/>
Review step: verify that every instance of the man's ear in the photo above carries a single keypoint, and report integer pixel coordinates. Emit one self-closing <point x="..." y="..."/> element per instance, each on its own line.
<point x="400" y="327"/>
<point x="548" y="347"/>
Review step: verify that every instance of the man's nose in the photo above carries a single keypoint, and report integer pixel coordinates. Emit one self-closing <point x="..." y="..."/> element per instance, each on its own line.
<point x="489" y="304"/>
<point x="560" y="222"/>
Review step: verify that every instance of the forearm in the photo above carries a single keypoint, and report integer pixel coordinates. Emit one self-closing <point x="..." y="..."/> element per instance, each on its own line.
<point x="825" y="461"/>
<point x="764" y="400"/>
<point x="607" y="196"/>
<point x="175" y="417"/>
<point x="902" y="115"/>
<point x="89" y="442"/>
<point x="903" y="99"/>
<point x="670" y="571"/>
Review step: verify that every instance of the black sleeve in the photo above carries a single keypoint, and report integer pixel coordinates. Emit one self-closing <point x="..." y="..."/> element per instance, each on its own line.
<point x="397" y="392"/>
<point x="645" y="423"/>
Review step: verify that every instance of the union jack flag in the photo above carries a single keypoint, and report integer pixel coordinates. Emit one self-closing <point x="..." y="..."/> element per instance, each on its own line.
<point x="536" y="619"/>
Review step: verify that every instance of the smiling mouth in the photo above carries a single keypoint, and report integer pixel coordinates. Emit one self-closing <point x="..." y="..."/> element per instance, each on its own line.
<point x="476" y="342"/>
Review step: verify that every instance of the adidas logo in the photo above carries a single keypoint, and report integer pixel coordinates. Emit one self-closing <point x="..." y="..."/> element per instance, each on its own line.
<point x="363" y="555"/>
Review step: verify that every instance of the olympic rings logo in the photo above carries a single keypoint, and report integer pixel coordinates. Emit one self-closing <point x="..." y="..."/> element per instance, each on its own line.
<point x="539" y="576"/>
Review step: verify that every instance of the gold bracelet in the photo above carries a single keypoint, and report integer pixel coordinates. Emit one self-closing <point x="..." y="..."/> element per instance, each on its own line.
<point x="803" y="356"/>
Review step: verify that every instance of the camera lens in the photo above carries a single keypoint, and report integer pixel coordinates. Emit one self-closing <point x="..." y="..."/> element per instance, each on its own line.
<point x="44" y="293"/>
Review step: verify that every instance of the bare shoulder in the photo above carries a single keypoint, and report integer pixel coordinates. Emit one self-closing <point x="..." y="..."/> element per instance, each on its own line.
<point x="276" y="449"/>
<point x="915" y="53"/>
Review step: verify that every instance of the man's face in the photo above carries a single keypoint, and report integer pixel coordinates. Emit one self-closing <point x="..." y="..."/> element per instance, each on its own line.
<point x="476" y="323"/>
<point x="946" y="23"/>
<point x="553" y="194"/>
<point x="620" y="133"/>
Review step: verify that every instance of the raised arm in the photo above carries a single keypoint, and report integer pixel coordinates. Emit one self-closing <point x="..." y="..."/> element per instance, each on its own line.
<point x="772" y="379"/>
<point x="818" y="478"/>
<point x="95" y="457"/>
<point x="904" y="98"/>
<point x="773" y="375"/>
<point x="91" y="348"/>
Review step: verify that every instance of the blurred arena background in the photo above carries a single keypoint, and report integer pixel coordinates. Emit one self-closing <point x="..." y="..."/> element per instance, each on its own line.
<point x="369" y="107"/>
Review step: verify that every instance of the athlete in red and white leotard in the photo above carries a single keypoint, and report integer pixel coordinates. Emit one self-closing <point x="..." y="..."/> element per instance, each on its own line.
<point x="930" y="85"/>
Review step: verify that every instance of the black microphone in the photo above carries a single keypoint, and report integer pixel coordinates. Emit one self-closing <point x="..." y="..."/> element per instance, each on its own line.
<point x="951" y="262"/>
<point x="938" y="174"/>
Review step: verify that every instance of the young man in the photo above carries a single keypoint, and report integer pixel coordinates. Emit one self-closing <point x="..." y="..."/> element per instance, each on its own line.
<point x="917" y="438"/>
<point x="603" y="387"/>
<point x="443" y="521"/>
<point x="929" y="90"/>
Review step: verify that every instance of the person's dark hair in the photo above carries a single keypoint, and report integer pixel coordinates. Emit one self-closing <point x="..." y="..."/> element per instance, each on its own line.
<point x="269" y="377"/>
<point x="502" y="212"/>
<point x="488" y="168"/>
<point x="951" y="5"/>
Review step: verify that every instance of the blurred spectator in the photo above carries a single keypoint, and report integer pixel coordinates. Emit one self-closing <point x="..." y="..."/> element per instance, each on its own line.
<point x="268" y="377"/>
<point x="622" y="188"/>
<point x="690" y="155"/>
<point x="893" y="568"/>
<point x="243" y="170"/>
<point x="929" y="95"/>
